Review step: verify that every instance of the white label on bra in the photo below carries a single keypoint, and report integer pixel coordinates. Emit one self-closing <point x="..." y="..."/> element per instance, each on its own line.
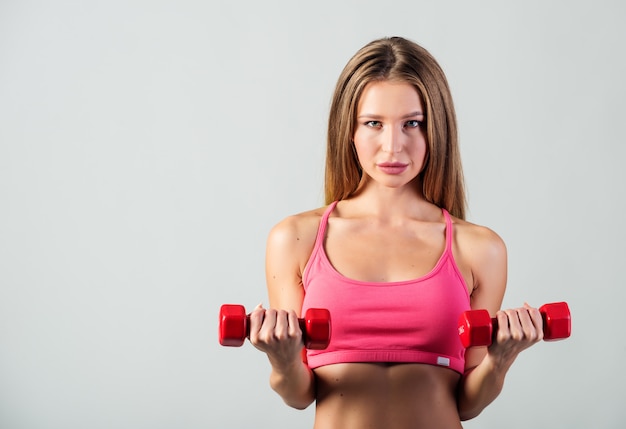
<point x="443" y="361"/>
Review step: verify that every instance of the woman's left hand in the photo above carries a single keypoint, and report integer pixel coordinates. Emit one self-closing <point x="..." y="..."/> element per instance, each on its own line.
<point x="518" y="329"/>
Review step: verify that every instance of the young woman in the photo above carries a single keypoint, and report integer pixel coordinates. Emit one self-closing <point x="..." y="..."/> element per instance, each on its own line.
<point x="394" y="261"/>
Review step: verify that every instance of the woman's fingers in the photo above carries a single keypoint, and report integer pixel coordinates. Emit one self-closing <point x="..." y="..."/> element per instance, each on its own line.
<point x="532" y="323"/>
<point x="504" y="330"/>
<point x="256" y="318"/>
<point x="294" y="325"/>
<point x="274" y="330"/>
<point x="266" y="334"/>
<point x="522" y="325"/>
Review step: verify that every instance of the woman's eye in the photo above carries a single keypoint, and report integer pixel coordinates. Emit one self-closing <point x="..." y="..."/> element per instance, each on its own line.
<point x="373" y="124"/>
<point x="414" y="124"/>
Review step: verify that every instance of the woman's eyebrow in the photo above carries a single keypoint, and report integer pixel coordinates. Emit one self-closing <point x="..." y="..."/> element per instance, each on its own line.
<point x="412" y="114"/>
<point x="375" y="116"/>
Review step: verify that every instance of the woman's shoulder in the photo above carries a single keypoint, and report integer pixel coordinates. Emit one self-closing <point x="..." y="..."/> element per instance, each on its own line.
<point x="297" y="232"/>
<point x="482" y="256"/>
<point x="299" y="222"/>
<point x="478" y="240"/>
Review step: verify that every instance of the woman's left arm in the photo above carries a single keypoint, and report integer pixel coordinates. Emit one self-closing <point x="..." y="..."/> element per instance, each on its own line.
<point x="518" y="329"/>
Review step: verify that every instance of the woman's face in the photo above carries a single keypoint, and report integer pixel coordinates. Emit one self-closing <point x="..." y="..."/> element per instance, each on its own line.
<point x="389" y="136"/>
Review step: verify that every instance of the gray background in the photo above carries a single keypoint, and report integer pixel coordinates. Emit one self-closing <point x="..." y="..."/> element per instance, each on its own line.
<point x="147" y="147"/>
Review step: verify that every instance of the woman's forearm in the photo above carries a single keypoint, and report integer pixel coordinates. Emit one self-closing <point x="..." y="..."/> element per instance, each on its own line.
<point x="295" y="384"/>
<point x="480" y="386"/>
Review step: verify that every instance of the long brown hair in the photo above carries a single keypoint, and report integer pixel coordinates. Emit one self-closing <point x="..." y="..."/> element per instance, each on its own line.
<point x="397" y="59"/>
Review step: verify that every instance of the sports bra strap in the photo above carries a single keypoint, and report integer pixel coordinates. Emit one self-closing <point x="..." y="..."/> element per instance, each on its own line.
<point x="321" y="231"/>
<point x="449" y="232"/>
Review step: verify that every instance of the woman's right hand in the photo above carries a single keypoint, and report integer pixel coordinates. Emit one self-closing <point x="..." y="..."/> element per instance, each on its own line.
<point x="278" y="334"/>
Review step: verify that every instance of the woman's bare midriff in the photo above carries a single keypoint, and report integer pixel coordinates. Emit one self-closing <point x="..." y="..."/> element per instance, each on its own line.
<point x="386" y="396"/>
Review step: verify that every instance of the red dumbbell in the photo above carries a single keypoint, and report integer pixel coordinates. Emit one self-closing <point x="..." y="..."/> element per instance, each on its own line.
<point x="476" y="328"/>
<point x="234" y="327"/>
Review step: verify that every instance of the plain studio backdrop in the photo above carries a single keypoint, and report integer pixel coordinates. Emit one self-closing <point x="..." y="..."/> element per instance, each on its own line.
<point x="147" y="147"/>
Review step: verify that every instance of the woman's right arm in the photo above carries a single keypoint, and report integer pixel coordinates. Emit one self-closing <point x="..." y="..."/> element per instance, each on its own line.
<point x="276" y="331"/>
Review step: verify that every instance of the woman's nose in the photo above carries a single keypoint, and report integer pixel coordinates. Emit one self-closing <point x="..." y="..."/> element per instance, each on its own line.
<point x="392" y="140"/>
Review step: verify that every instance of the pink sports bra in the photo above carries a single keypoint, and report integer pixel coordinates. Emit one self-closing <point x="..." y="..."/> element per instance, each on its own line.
<point x="406" y="321"/>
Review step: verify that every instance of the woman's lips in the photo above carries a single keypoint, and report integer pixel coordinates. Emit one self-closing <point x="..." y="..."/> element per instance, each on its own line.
<point x="392" y="167"/>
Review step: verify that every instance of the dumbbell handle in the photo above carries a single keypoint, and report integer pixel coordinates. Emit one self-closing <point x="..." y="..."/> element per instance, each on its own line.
<point x="477" y="328"/>
<point x="234" y="327"/>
